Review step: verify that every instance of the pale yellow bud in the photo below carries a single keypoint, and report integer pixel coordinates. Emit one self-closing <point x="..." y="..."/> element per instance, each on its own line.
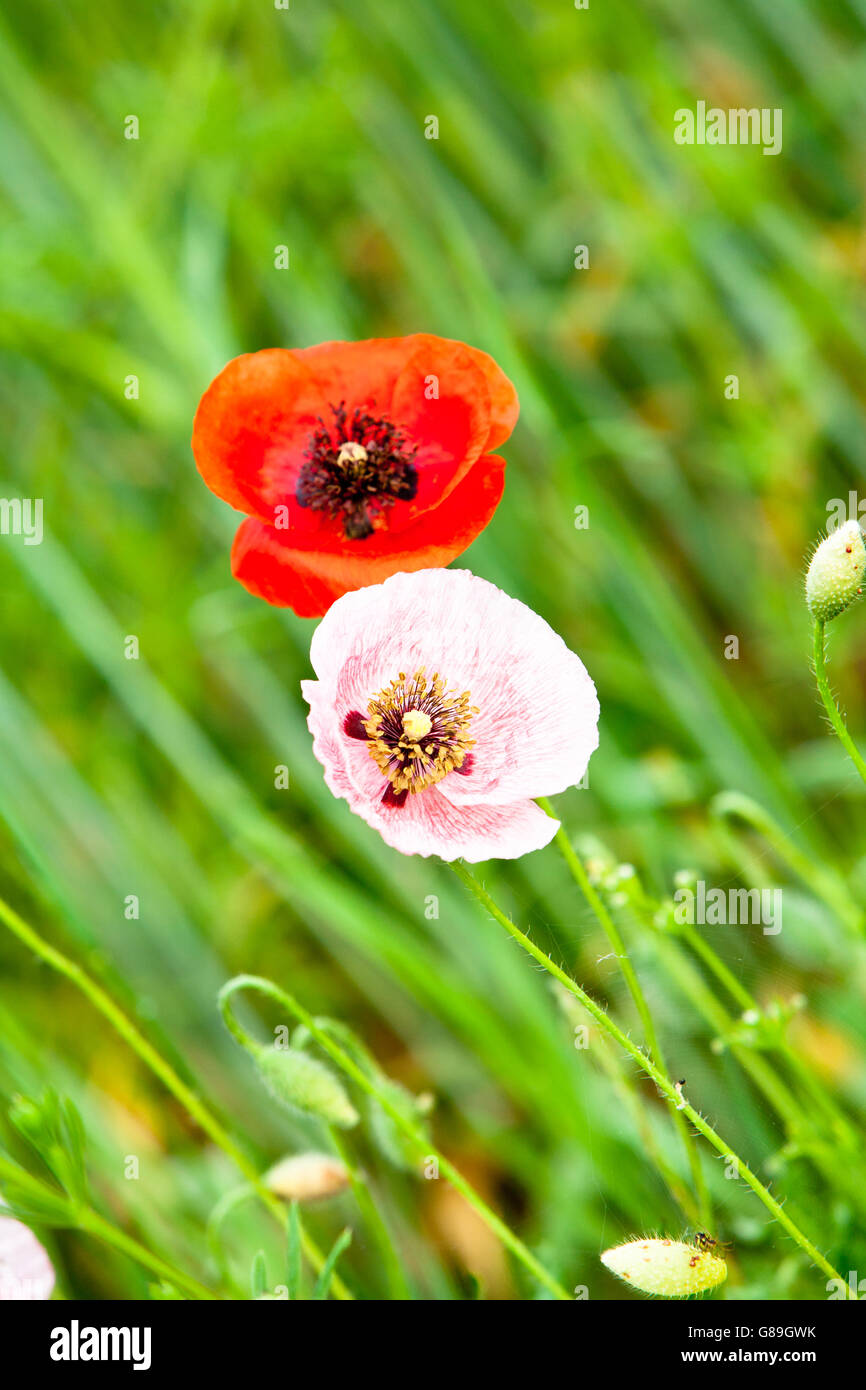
<point x="836" y="572"/>
<point x="670" y="1268"/>
<point x="306" y="1177"/>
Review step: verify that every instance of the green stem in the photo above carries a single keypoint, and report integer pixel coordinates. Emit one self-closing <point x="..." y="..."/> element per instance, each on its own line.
<point x="625" y="1086"/>
<point x="398" y="1284"/>
<point x="776" y="1210"/>
<point x="833" y="712"/>
<point x="226" y="1205"/>
<point x="85" y="1219"/>
<point x="367" y="1207"/>
<point x="98" y="1226"/>
<point x="730" y="806"/>
<point x="839" y="1123"/>
<point x="723" y="974"/>
<point x="351" y="1069"/>
<point x="161" y="1068"/>
<point x="704" y="1214"/>
<point x="799" y="1126"/>
<point x="646" y="909"/>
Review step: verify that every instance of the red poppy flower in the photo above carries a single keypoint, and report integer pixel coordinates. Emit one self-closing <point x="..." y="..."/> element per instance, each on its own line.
<point x="353" y="460"/>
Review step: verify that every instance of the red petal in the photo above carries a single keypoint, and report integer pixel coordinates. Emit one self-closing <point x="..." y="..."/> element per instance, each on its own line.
<point x="504" y="405"/>
<point x="442" y="401"/>
<point x="254" y="421"/>
<point x="362" y="374"/>
<point x="252" y="426"/>
<point x="288" y="571"/>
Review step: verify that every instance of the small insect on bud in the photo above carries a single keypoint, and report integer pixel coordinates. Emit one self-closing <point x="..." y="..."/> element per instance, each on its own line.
<point x="670" y="1268"/>
<point x="307" y="1177"/>
<point x="303" y="1083"/>
<point x="836" y="572"/>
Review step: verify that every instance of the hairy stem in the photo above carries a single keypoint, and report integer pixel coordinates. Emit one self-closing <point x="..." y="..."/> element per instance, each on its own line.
<point x="127" y="1030"/>
<point x="833" y="712"/>
<point x="667" y="1089"/>
<point x="421" y="1141"/>
<point x="704" y="1214"/>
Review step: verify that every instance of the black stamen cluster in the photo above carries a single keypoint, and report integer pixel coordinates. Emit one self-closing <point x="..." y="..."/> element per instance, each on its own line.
<point x="356" y="491"/>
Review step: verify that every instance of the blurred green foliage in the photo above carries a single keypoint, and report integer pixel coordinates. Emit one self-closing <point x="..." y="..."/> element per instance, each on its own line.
<point x="155" y="778"/>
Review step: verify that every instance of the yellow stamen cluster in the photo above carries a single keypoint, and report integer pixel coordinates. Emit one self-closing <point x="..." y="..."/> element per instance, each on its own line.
<point x="417" y="730"/>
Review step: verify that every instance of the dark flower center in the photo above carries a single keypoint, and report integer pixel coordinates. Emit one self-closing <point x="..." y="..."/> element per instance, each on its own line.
<point x="355" y="469"/>
<point x="416" y="732"/>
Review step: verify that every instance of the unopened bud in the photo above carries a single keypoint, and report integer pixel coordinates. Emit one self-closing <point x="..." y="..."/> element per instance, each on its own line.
<point x="388" y="1136"/>
<point x="306" y="1177"/>
<point x="836" y="572"/>
<point x="303" y="1083"/>
<point x="670" y="1268"/>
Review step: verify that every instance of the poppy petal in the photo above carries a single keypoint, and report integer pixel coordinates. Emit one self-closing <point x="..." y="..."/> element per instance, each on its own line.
<point x="252" y="426"/>
<point x="308" y="574"/>
<point x="432" y="389"/>
<point x="442" y="401"/>
<point x="362" y="374"/>
<point x="365" y="374"/>
<point x="430" y="824"/>
<point x="426" y="824"/>
<point x="504" y="405"/>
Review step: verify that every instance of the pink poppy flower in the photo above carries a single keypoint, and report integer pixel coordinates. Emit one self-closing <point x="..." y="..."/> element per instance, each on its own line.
<point x="442" y="707"/>
<point x="25" y="1269"/>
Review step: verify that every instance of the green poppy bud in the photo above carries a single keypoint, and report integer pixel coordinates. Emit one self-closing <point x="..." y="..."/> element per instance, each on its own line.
<point x="303" y="1083"/>
<point x="836" y="572"/>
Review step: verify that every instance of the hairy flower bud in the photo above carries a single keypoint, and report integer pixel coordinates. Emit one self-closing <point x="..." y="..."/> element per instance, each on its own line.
<point x="836" y="572"/>
<point x="306" y="1177"/>
<point x="668" y="1267"/>
<point x="303" y="1083"/>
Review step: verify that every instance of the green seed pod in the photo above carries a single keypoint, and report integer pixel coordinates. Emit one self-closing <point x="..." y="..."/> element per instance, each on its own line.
<point x="836" y="572"/>
<point x="670" y="1268"/>
<point x="303" y="1083"/>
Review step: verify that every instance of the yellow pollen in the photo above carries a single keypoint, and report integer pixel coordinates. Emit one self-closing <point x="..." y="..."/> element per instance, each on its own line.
<point x="351" y="452"/>
<point x="416" y="724"/>
<point x="417" y="730"/>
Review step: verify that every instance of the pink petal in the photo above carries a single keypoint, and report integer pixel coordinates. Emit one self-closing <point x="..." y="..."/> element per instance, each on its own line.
<point x="429" y="824"/>
<point x="25" y="1269"/>
<point x="537" y="725"/>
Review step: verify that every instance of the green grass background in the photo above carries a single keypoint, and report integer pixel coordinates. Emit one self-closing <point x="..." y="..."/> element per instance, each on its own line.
<point x="155" y="257"/>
